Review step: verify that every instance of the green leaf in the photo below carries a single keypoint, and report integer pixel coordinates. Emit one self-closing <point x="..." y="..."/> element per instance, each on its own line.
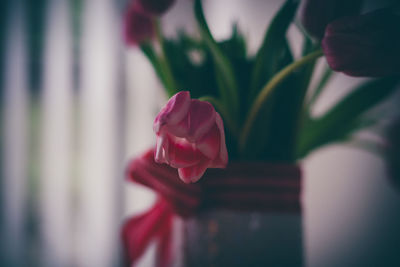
<point x="149" y="52"/>
<point x="296" y="110"/>
<point x="235" y="47"/>
<point x="164" y="62"/>
<point x="196" y="77"/>
<point x="228" y="88"/>
<point x="268" y="138"/>
<point x="271" y="90"/>
<point x="346" y="116"/>
<point x="269" y="58"/>
<point x="235" y="50"/>
<point x="277" y="125"/>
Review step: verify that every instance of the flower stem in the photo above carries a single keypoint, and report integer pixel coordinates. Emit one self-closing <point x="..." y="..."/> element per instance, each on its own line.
<point x="165" y="67"/>
<point x="268" y="89"/>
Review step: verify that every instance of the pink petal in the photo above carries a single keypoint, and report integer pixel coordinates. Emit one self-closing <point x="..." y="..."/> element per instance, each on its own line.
<point x="193" y="173"/>
<point x="222" y="160"/>
<point x="201" y="119"/>
<point x="174" y="111"/>
<point x="209" y="144"/>
<point x="180" y="129"/>
<point x="160" y="153"/>
<point x="182" y="154"/>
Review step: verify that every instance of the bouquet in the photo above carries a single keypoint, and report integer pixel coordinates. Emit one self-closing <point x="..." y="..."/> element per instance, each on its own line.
<point x="226" y="104"/>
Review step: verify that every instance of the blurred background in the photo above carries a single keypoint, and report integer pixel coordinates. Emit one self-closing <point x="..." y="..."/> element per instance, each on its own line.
<point x="76" y="105"/>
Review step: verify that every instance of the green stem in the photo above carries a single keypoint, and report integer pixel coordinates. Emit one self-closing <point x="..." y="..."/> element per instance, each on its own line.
<point x="302" y="114"/>
<point x="230" y="122"/>
<point x="268" y="89"/>
<point x="164" y="64"/>
<point x="148" y="50"/>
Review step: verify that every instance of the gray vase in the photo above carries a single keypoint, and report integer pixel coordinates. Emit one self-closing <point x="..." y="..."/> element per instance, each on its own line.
<point x="231" y="238"/>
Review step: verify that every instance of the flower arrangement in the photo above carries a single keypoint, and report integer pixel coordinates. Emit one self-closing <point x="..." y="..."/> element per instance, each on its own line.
<point x="226" y="103"/>
<point x="262" y="98"/>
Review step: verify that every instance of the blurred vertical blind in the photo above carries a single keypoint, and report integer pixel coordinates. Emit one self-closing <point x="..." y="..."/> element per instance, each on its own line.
<point x="62" y="153"/>
<point x="15" y="141"/>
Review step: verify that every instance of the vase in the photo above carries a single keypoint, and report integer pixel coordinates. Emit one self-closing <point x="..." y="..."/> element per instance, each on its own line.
<point x="252" y="217"/>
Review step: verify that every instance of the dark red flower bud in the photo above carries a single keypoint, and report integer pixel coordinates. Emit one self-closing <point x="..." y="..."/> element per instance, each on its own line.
<point x="393" y="155"/>
<point x="138" y="26"/>
<point x="366" y="45"/>
<point x="154" y="7"/>
<point x="316" y="14"/>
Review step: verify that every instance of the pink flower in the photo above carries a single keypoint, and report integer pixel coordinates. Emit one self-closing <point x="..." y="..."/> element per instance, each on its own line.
<point x="315" y="15"/>
<point x="138" y="26"/>
<point x="365" y="45"/>
<point x="190" y="137"/>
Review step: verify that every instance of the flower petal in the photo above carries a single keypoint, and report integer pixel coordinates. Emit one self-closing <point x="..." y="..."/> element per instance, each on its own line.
<point x="209" y="144"/>
<point x="160" y="153"/>
<point x="365" y="45"/>
<point x="181" y="129"/>
<point x="201" y="119"/>
<point x="314" y="15"/>
<point x="174" y="111"/>
<point x="193" y="173"/>
<point x="181" y="153"/>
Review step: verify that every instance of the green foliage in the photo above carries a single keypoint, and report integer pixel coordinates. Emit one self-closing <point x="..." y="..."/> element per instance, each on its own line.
<point x="224" y="71"/>
<point x="196" y="77"/>
<point x="346" y="117"/>
<point x="273" y="81"/>
<point x="274" y="52"/>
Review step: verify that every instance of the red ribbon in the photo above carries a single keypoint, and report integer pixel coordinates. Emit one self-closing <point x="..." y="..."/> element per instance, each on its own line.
<point x="242" y="186"/>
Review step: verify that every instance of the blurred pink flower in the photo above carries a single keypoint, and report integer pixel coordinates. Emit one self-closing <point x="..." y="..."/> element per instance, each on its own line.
<point x="138" y="26"/>
<point x="315" y="15"/>
<point x="190" y="137"/>
<point x="155" y="7"/>
<point x="365" y="45"/>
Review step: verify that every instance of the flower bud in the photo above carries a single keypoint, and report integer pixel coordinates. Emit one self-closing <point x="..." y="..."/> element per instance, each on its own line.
<point x="155" y="7"/>
<point x="138" y="26"/>
<point x="316" y="14"/>
<point x="190" y="137"/>
<point x="366" y="45"/>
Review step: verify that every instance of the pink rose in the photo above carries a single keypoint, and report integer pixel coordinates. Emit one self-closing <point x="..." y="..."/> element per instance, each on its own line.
<point x="190" y="137"/>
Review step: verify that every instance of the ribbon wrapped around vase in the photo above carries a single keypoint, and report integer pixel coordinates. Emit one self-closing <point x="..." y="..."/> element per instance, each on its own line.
<point x="273" y="187"/>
